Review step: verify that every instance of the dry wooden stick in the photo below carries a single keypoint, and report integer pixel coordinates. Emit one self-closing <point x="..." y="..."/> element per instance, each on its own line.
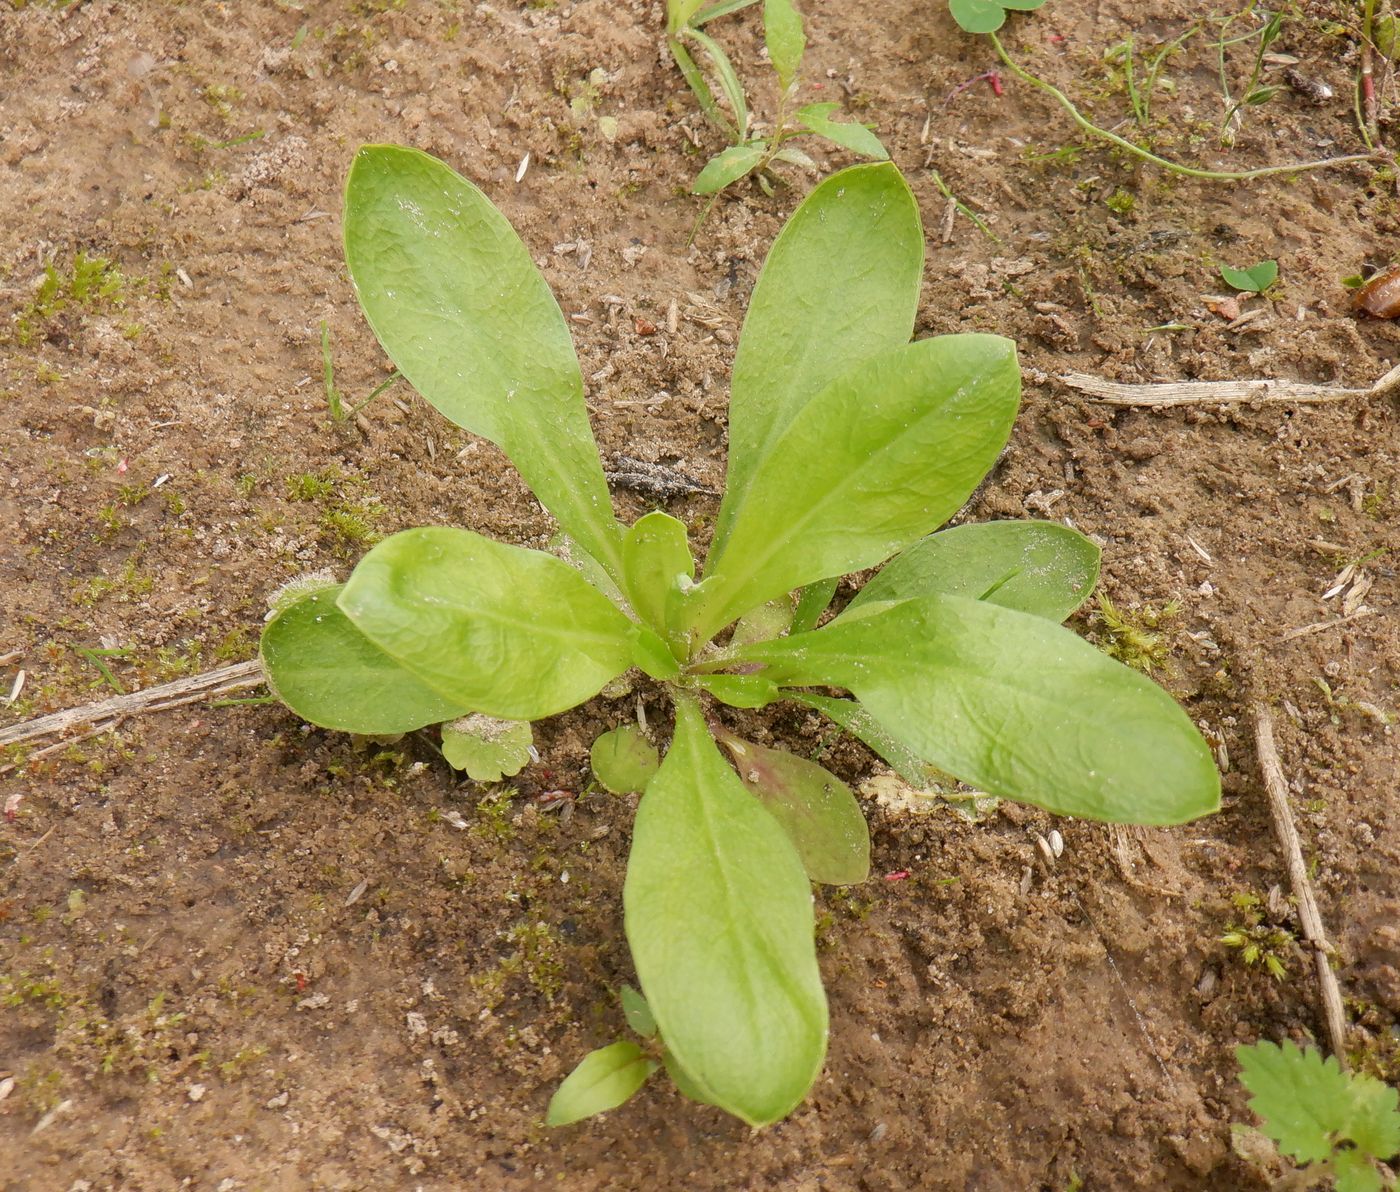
<point x="108" y="713"/>
<point x="1308" y="916"/>
<point x="1194" y="393"/>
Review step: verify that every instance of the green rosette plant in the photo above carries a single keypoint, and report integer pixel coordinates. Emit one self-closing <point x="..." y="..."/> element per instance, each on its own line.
<point x="849" y="445"/>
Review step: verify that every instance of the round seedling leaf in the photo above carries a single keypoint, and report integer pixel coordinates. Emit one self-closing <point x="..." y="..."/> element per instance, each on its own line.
<point x="486" y="748"/>
<point x="1254" y="280"/>
<point x="978" y="16"/>
<point x="623" y="760"/>
<point x="815" y="808"/>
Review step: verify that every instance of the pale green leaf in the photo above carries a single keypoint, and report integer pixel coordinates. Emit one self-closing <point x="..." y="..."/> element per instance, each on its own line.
<point x="767" y="620"/>
<point x="812" y="601"/>
<point x="1034" y="566"/>
<point x="878" y="459"/>
<point x="605" y="1079"/>
<point x="719" y="919"/>
<point x="816" y="809"/>
<point x="460" y="308"/>
<point x="324" y="669"/>
<point x="978" y="16"/>
<point x="739" y="691"/>
<point x="623" y="760"/>
<point x="841" y="283"/>
<point x="637" y="1012"/>
<point x="656" y="562"/>
<point x="514" y="633"/>
<point x="1011" y="704"/>
<point x="485" y="748"/>
<point x="722" y="9"/>
<point x="783" y="35"/>
<point x="1354" y="1172"/>
<point x="703" y="95"/>
<point x="847" y="134"/>
<point x="729" y="166"/>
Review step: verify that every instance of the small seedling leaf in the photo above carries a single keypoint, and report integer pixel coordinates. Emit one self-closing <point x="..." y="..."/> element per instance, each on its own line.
<point x="849" y="483"/>
<point x="816" y="809"/>
<point x="460" y="308"/>
<point x="1012" y="704"/>
<point x="656" y="561"/>
<point x="1354" y="1172"/>
<point x="719" y="918"/>
<point x="623" y="760"/>
<point x="978" y="16"/>
<point x="729" y="166"/>
<point x="605" y="1079"/>
<point x="1253" y="280"/>
<point x="485" y="748"/>
<point x="782" y="33"/>
<point x="1034" y="566"/>
<point x="637" y="1012"/>
<point x="840" y="284"/>
<point x="1309" y="1105"/>
<point x="812" y="601"/>
<point x="329" y="673"/>
<point x="848" y="134"/>
<point x="514" y="633"/>
<point x="740" y="691"/>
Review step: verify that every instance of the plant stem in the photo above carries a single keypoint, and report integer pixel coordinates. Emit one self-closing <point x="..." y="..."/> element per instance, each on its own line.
<point x="1147" y="155"/>
<point x="1371" y="131"/>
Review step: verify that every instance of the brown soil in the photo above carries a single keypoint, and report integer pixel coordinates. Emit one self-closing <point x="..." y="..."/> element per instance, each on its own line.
<point x="191" y="996"/>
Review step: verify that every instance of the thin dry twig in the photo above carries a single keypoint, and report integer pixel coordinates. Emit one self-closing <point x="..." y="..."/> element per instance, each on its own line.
<point x="1322" y="626"/>
<point x="1308" y="916"/>
<point x="106" y="714"/>
<point x="1166" y="394"/>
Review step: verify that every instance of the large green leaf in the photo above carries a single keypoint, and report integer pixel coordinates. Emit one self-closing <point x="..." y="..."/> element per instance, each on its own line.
<point x="881" y="457"/>
<point x="719" y="918"/>
<point x="514" y="633"/>
<point x="1013" y="704"/>
<point x="324" y="669"/>
<point x="460" y="308"/>
<point x="841" y="283"/>
<point x="816" y="809"/>
<point x="1034" y="566"/>
<point x="605" y="1079"/>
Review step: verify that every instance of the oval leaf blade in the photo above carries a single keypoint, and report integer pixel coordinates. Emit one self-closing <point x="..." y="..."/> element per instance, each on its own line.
<point x="460" y="308"/>
<point x="841" y="283"/>
<point x="719" y="919"/>
<point x="487" y="749"/>
<point x="729" y="166"/>
<point x="881" y="457"/>
<point x="848" y="134"/>
<point x="604" y="1079"/>
<point x="329" y="673"/>
<point x="623" y="760"/>
<point x="815" y="808"/>
<point x="655" y="555"/>
<point x="1034" y="566"/>
<point x="1014" y="705"/>
<point x="513" y="633"/>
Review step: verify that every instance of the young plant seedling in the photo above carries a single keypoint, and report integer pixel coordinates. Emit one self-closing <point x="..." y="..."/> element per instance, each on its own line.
<point x="1254" y="280"/>
<point x="1332" y="1122"/>
<point x="987" y="16"/>
<point x="848" y="445"/>
<point x="749" y="153"/>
